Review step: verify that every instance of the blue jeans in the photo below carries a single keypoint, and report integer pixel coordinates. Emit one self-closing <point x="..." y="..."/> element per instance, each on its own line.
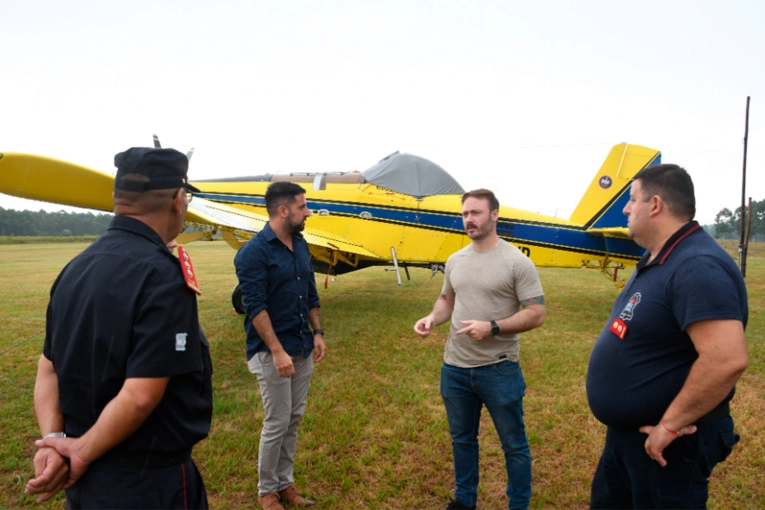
<point x="627" y="477"/>
<point x="501" y="388"/>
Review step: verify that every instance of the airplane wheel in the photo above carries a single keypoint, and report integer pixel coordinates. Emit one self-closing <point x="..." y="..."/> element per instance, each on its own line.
<point x="237" y="300"/>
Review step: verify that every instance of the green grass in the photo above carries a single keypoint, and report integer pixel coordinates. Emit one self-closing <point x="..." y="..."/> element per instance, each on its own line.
<point x="375" y="432"/>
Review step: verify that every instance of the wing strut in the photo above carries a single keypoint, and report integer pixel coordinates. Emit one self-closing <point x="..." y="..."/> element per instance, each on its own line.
<point x="329" y="270"/>
<point x="396" y="266"/>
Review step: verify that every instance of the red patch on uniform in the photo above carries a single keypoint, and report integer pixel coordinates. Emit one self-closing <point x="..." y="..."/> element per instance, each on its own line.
<point x="188" y="270"/>
<point x="619" y="328"/>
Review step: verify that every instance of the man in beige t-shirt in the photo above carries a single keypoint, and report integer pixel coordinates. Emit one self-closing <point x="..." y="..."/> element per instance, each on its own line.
<point x="491" y="293"/>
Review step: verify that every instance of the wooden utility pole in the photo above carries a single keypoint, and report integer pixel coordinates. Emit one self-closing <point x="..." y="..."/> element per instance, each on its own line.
<point x="741" y="256"/>
<point x="746" y="237"/>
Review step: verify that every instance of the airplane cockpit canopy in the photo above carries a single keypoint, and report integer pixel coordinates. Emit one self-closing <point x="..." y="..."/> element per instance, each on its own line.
<point x="412" y="175"/>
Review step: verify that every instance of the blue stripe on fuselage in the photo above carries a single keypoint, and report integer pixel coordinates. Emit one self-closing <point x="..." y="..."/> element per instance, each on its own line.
<point x="554" y="236"/>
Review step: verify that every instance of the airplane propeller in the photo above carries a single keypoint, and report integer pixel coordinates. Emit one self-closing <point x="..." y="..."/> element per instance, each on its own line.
<point x="157" y="145"/>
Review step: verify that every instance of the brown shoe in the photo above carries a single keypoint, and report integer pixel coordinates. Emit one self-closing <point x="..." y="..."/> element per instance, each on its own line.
<point x="291" y="496"/>
<point x="270" y="502"/>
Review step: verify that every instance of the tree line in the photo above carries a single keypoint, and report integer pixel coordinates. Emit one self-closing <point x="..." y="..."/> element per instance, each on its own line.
<point x="61" y="223"/>
<point x="43" y="223"/>
<point x="728" y="223"/>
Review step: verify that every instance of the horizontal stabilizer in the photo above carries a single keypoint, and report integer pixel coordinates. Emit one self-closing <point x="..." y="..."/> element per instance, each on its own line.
<point x="610" y="232"/>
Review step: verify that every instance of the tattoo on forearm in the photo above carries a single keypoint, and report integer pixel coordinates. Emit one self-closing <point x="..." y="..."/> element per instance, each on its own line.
<point x="539" y="300"/>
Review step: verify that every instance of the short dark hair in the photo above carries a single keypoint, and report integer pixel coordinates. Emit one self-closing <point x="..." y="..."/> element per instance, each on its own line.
<point x="147" y="202"/>
<point x="281" y="193"/>
<point x="673" y="184"/>
<point x="486" y="195"/>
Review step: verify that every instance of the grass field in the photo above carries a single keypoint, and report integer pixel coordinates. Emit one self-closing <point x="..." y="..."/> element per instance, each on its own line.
<point x="375" y="433"/>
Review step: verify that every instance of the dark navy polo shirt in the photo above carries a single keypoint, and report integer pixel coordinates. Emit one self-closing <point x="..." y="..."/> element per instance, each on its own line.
<point x="632" y="381"/>
<point x="281" y="281"/>
<point x="121" y="309"/>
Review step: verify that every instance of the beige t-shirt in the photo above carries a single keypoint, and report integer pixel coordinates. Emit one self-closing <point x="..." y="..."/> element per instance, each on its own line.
<point x="487" y="286"/>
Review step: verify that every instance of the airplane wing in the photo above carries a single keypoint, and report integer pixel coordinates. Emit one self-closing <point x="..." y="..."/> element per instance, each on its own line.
<point x="246" y="224"/>
<point x="55" y="181"/>
<point x="60" y="182"/>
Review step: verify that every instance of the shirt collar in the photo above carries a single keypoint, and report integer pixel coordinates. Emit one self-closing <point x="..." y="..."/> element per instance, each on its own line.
<point x="269" y="234"/>
<point x="138" y="227"/>
<point x="670" y="245"/>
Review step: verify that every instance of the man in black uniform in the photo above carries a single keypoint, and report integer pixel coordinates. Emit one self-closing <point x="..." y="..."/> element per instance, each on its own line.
<point x="123" y="387"/>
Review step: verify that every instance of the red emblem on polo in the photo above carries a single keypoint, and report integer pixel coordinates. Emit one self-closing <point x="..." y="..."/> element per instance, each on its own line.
<point x="619" y="328"/>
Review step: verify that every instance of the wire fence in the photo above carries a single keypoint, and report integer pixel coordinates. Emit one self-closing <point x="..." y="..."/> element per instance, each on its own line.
<point x="23" y="341"/>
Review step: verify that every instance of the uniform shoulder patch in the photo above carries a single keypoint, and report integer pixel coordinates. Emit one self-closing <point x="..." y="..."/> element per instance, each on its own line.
<point x="180" y="341"/>
<point x="188" y="270"/>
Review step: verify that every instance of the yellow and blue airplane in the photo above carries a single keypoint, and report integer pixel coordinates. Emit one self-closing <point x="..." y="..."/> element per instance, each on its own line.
<point x="405" y="211"/>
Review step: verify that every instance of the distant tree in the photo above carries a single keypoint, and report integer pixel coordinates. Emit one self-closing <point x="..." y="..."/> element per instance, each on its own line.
<point x="724" y="223"/>
<point x="728" y="224"/>
<point x="43" y="223"/>
<point x="66" y="232"/>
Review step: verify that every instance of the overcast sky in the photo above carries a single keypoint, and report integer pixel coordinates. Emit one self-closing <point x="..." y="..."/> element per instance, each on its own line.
<point x="525" y="98"/>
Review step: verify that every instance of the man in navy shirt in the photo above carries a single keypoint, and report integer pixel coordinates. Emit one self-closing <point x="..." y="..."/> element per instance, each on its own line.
<point x="664" y="368"/>
<point x="284" y="335"/>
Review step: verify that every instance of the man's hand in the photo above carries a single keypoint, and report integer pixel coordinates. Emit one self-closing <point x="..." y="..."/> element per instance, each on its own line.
<point x="424" y="326"/>
<point x="51" y="473"/>
<point x="319" y="349"/>
<point x="70" y="448"/>
<point x="477" y="330"/>
<point x="283" y="364"/>
<point x="659" y="438"/>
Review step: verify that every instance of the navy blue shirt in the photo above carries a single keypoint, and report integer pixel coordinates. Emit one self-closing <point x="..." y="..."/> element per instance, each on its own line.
<point x="121" y="309"/>
<point x="631" y="381"/>
<point x="281" y="281"/>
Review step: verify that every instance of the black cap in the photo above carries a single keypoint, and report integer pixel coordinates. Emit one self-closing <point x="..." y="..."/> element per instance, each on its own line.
<point x="165" y="168"/>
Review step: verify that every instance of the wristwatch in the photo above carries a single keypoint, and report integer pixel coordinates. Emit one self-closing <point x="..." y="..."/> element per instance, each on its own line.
<point x="318" y="331"/>
<point x="55" y="434"/>
<point x="494" y="328"/>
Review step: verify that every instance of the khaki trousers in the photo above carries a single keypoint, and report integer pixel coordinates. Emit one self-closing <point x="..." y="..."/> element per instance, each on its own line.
<point x="284" y="405"/>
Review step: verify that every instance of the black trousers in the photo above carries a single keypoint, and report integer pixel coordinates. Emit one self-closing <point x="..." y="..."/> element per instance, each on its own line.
<point x="627" y="477"/>
<point x="116" y="487"/>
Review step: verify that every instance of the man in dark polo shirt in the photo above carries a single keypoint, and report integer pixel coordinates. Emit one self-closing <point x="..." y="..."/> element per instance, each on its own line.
<point x="123" y="387"/>
<point x="664" y="368"/>
<point x="284" y="335"/>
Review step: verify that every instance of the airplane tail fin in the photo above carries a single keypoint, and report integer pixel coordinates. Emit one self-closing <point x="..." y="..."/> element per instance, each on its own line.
<point x="601" y="206"/>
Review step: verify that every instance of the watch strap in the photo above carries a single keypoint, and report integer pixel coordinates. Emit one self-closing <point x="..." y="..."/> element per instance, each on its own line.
<point x="494" y="328"/>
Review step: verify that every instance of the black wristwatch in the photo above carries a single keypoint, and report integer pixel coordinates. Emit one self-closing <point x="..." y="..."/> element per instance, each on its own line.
<point x="318" y="331"/>
<point x="494" y="328"/>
